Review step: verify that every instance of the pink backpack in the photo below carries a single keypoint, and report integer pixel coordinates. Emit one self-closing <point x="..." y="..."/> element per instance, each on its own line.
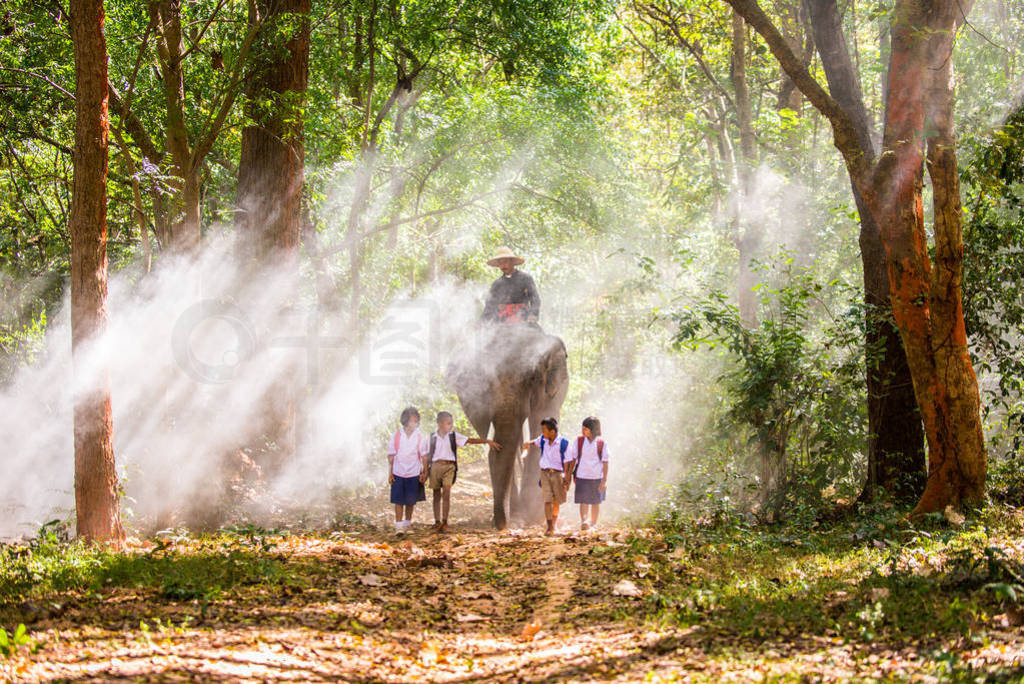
<point x="579" y="452"/>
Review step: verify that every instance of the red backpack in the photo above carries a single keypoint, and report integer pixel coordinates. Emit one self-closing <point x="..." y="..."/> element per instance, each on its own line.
<point x="579" y="452"/>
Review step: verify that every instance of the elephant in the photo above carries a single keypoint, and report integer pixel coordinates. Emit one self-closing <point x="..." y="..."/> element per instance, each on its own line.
<point x="504" y="375"/>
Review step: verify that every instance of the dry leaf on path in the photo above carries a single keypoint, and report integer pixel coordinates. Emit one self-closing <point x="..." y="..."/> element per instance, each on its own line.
<point x="470" y="617"/>
<point x="429" y="653"/>
<point x="626" y="588"/>
<point x="371" y="580"/>
<point x="530" y="630"/>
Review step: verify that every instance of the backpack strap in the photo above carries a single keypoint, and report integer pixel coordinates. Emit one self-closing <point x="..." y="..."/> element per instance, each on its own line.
<point x="433" y="444"/>
<point x="398" y="435"/>
<point x="561" y="450"/>
<point x="600" y="449"/>
<point x="579" y="454"/>
<point x="455" y="448"/>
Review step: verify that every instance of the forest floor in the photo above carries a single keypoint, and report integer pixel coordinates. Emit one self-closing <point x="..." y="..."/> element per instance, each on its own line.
<point x="694" y="600"/>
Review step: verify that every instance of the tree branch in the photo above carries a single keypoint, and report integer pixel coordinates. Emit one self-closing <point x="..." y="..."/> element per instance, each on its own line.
<point x="844" y="132"/>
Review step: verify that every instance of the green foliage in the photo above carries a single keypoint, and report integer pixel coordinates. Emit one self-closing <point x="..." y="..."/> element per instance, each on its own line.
<point x="792" y="382"/>
<point x="993" y="306"/>
<point x="10" y="644"/>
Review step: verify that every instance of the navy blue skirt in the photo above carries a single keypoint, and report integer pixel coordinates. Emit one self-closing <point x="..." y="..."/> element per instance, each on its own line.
<point x="406" y="491"/>
<point x="588" y="492"/>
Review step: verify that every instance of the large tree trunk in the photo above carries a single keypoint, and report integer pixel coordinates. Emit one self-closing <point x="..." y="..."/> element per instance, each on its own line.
<point x="926" y="305"/>
<point x="270" y="181"/>
<point x="896" y="458"/>
<point x="96" y="499"/>
<point x="957" y="470"/>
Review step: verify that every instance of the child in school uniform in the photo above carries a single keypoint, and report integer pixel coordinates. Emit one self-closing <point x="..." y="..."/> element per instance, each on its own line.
<point x="444" y="466"/>
<point x="591" y="456"/>
<point x="407" y="468"/>
<point x="555" y="470"/>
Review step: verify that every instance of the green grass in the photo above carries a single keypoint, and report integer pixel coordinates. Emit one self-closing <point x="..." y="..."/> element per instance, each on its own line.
<point x="198" y="568"/>
<point x="865" y="579"/>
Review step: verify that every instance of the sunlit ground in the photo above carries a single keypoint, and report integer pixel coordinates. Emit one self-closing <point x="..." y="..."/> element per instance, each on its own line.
<point x="866" y="598"/>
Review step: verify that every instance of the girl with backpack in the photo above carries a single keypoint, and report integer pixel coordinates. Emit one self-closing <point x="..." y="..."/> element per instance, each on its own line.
<point x="407" y="468"/>
<point x="591" y="472"/>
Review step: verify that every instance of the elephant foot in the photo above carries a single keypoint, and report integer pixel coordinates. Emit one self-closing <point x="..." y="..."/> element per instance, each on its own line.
<point x="500" y="521"/>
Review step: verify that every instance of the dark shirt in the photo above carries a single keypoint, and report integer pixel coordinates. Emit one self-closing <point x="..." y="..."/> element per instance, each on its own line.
<point x="512" y="298"/>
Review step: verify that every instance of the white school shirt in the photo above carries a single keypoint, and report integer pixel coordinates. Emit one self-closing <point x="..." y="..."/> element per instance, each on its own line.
<point x="590" y="465"/>
<point x="551" y="453"/>
<point x="407" y="456"/>
<point x="443" y="445"/>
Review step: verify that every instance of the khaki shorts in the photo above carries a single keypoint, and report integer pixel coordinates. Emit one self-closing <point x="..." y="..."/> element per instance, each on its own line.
<point x="552" y="486"/>
<point x="442" y="474"/>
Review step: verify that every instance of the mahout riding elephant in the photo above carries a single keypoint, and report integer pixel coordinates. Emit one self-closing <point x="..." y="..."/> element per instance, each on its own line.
<point x="504" y="375"/>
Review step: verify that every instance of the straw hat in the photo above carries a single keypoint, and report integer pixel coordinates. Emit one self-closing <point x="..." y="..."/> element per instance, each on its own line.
<point x="504" y="253"/>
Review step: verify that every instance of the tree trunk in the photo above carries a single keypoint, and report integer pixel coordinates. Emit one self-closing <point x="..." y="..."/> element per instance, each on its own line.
<point x="926" y="302"/>
<point x="896" y="458"/>
<point x="270" y="180"/>
<point x="747" y="235"/>
<point x="957" y="470"/>
<point x="185" y="225"/>
<point x="789" y="96"/>
<point x="96" y="497"/>
<point x="927" y="305"/>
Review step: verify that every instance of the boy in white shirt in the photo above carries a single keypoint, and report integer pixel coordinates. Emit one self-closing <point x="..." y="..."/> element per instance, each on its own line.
<point x="407" y="468"/>
<point x="444" y="466"/>
<point x="591" y="456"/>
<point x="555" y="470"/>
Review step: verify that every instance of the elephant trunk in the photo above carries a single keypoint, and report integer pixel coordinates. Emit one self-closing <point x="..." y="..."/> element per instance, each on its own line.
<point x="502" y="465"/>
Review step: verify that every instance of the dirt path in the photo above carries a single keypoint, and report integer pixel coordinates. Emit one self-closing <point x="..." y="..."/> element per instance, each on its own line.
<point x="365" y="605"/>
<point x="470" y="605"/>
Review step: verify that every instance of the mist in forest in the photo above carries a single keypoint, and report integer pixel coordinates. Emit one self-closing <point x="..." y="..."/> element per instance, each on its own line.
<point x="195" y="348"/>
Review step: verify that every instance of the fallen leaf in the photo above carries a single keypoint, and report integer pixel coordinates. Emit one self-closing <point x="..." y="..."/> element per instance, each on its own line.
<point x="429" y="653"/>
<point x="626" y="588"/>
<point x="878" y="593"/>
<point x="530" y="630"/>
<point x="953" y="517"/>
<point x="470" y="617"/>
<point x="371" y="580"/>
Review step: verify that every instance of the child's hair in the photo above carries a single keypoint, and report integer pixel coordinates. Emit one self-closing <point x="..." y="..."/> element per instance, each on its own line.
<point x="444" y="415"/>
<point x="407" y="413"/>
<point x="593" y="424"/>
<point x="550" y="424"/>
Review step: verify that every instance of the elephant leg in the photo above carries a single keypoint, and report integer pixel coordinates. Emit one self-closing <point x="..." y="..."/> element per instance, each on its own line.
<point x="531" y="507"/>
<point x="515" y="502"/>
<point x="509" y="434"/>
<point x="503" y="484"/>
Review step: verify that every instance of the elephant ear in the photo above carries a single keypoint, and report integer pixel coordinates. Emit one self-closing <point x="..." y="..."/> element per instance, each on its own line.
<point x="555" y="369"/>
